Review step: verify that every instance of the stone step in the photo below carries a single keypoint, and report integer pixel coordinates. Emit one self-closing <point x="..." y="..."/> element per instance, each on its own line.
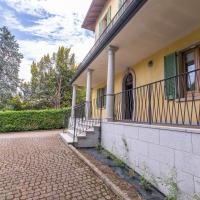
<point x="83" y="128"/>
<point x="66" y="137"/>
<point x="85" y="125"/>
<point x="88" y="139"/>
<point x="81" y="134"/>
<point x="87" y="134"/>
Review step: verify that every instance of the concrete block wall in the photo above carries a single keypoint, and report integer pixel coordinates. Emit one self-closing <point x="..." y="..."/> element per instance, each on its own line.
<point x="163" y="151"/>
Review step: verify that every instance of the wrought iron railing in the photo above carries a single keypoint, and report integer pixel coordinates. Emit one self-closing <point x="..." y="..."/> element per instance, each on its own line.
<point x="120" y="12"/>
<point x="86" y="116"/>
<point x="173" y="101"/>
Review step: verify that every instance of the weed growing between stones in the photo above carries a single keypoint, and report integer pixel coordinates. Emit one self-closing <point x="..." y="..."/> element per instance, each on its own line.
<point x="196" y="196"/>
<point x="171" y="184"/>
<point x="144" y="182"/>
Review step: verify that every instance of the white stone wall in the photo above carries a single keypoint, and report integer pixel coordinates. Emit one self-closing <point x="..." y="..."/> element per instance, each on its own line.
<point x="163" y="151"/>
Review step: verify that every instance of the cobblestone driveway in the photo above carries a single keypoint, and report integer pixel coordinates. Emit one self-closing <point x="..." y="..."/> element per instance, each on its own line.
<point x="38" y="165"/>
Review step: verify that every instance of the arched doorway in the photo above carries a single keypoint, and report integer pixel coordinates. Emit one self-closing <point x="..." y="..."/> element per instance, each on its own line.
<point x="127" y="107"/>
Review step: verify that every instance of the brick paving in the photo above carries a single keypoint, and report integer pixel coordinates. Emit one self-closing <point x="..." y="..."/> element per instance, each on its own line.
<point x="38" y="165"/>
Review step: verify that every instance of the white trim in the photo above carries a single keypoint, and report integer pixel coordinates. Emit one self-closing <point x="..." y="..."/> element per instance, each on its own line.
<point x="180" y="129"/>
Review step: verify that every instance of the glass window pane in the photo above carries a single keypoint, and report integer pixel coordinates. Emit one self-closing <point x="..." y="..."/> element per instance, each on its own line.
<point x="191" y="78"/>
<point x="190" y="67"/>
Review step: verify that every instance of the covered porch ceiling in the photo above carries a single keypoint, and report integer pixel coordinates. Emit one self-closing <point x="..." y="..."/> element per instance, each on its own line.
<point x="156" y="25"/>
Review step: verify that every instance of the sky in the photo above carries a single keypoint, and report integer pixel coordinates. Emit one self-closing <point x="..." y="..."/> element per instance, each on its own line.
<point x="41" y="26"/>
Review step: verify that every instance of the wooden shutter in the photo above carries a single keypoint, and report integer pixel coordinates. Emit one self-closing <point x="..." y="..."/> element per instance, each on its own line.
<point x="170" y="70"/>
<point x="101" y="97"/>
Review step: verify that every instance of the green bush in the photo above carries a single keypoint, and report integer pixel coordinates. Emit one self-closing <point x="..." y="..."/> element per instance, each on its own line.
<point x="32" y="120"/>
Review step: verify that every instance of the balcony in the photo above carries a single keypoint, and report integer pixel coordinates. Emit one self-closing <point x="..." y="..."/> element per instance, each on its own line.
<point x="173" y="101"/>
<point x="124" y="14"/>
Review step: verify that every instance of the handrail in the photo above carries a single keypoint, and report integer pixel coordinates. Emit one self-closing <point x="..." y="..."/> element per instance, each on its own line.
<point x="165" y="79"/>
<point x="86" y="116"/>
<point x="173" y="101"/>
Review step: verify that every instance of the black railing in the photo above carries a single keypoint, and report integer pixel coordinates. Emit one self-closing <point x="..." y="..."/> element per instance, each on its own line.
<point x="172" y="101"/>
<point x="86" y="116"/>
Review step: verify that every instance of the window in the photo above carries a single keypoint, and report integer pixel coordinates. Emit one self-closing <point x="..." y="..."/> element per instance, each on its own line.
<point x="188" y="61"/>
<point x="105" y="21"/>
<point x="101" y="97"/>
<point x="189" y="65"/>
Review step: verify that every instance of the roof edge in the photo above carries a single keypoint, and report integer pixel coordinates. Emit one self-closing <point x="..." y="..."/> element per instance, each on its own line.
<point x="95" y="7"/>
<point x="114" y="30"/>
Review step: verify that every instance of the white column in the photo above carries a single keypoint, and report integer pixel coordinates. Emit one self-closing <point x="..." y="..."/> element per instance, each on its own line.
<point x="88" y="93"/>
<point x="73" y="100"/>
<point x="110" y="83"/>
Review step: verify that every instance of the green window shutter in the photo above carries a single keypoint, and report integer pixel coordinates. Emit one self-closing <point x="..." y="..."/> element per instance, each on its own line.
<point x="108" y="16"/>
<point x="170" y="70"/>
<point x="101" y="98"/>
<point x="97" y="100"/>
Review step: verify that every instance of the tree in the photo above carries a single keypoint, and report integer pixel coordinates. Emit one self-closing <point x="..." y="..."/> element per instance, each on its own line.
<point x="25" y="90"/>
<point x="10" y="59"/>
<point x="64" y="69"/>
<point x="15" y="103"/>
<point x="50" y="79"/>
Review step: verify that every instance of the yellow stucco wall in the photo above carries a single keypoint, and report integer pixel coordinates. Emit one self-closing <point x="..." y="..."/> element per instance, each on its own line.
<point x="145" y="74"/>
<point x="114" y="8"/>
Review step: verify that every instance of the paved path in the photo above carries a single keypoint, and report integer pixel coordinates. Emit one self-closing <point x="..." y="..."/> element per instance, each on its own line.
<point x="38" y="165"/>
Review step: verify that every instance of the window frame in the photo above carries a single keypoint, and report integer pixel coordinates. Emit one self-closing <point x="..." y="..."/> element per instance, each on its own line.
<point x="104" y="22"/>
<point x="183" y="69"/>
<point x="99" y="100"/>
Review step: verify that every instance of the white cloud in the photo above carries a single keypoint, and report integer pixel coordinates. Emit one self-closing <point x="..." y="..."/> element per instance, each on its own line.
<point x="33" y="50"/>
<point x="57" y="7"/>
<point x="59" y="23"/>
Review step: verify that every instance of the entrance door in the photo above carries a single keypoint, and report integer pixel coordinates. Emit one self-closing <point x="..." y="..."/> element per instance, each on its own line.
<point x="128" y="97"/>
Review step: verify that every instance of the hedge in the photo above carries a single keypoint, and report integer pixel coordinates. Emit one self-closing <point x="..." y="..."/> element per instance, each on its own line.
<point x="32" y="120"/>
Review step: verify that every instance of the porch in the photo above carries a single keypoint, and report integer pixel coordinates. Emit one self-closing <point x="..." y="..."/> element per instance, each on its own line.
<point x="155" y="127"/>
<point x="173" y="101"/>
<point x="142" y="80"/>
<point x="162" y="88"/>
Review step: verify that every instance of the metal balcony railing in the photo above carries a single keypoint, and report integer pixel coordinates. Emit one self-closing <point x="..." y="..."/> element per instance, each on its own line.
<point x="174" y="101"/>
<point x="120" y="12"/>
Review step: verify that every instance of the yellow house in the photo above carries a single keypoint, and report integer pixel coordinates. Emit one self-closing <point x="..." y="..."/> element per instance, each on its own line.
<point x="142" y="79"/>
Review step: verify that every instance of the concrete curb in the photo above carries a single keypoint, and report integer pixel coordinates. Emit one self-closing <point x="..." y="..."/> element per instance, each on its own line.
<point x="102" y="176"/>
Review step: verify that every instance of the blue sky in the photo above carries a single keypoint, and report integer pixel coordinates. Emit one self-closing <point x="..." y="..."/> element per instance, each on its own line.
<point x="40" y="26"/>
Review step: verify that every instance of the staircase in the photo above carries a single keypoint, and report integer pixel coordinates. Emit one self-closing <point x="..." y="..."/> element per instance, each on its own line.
<point x="85" y="134"/>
